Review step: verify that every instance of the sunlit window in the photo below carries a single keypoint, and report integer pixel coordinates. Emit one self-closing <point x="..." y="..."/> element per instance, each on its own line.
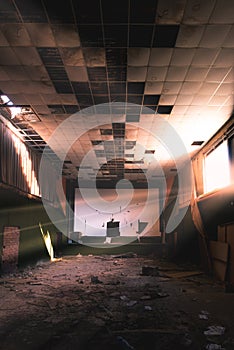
<point x="8" y="103"/>
<point x="217" y="168"/>
<point x="26" y="165"/>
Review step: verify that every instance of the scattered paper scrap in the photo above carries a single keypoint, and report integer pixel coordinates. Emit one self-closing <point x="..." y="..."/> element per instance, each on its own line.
<point x="215" y="330"/>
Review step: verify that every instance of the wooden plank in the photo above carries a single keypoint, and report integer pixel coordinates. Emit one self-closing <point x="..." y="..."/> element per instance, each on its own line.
<point x="219" y="251"/>
<point x="183" y="274"/>
<point x="230" y="240"/>
<point x="222" y="233"/>
<point x="220" y="270"/>
<point x="219" y="254"/>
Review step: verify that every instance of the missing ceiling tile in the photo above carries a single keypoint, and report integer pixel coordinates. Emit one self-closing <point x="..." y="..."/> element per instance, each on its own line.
<point x="197" y="143"/>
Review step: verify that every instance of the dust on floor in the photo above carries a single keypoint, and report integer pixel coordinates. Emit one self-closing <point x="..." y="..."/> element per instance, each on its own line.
<point x="114" y="302"/>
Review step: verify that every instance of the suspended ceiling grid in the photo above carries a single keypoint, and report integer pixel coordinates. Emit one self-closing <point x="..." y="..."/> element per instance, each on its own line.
<point x="174" y="57"/>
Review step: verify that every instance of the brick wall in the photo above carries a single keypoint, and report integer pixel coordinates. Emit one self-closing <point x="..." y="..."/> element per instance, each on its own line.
<point x="10" y="248"/>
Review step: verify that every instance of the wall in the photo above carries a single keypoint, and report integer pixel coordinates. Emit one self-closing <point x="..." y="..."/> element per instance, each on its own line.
<point x="216" y="208"/>
<point x="27" y="217"/>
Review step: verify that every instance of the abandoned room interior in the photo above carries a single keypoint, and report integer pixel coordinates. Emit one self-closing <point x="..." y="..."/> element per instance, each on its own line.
<point x="116" y="174"/>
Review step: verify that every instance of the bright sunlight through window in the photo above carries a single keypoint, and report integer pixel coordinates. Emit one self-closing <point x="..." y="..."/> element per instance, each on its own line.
<point x="217" y="169"/>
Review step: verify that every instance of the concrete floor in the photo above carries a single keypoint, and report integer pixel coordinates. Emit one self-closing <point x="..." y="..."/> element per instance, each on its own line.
<point x="113" y="302"/>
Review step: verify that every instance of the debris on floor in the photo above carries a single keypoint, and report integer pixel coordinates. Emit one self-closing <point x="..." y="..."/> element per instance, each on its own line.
<point x="150" y="271"/>
<point x="214" y="347"/>
<point x="107" y="302"/>
<point x="215" y="330"/>
<point x="204" y="315"/>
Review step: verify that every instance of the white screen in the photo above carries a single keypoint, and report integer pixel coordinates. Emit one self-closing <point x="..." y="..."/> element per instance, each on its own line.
<point x="89" y="220"/>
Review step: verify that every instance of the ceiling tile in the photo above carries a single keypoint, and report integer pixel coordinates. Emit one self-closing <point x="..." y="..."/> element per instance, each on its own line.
<point x="68" y="98"/>
<point x="208" y="88"/>
<point x="34" y="99"/>
<point x="218" y="100"/>
<point x="170" y="11"/>
<point x="189" y="36"/>
<point x="37" y="87"/>
<point x="229" y="41"/>
<point x="66" y="35"/>
<point x="204" y="57"/>
<point x="184" y="99"/>
<point x="196" y="74"/>
<point x="176" y="73"/>
<point x="198" y="12"/>
<point x="132" y="118"/>
<point x="153" y="88"/>
<point x="16" y="73"/>
<point x="94" y="57"/>
<point x="182" y="57"/>
<point x="50" y="99"/>
<point x="3" y="74"/>
<point x="72" y="56"/>
<point x="225" y="89"/>
<point x="3" y="40"/>
<point x="138" y="57"/>
<point x="167" y="99"/>
<point x="77" y="73"/>
<point x="214" y="36"/>
<point x="200" y="100"/>
<point x="17" y="99"/>
<point x="7" y="57"/>
<point x="230" y="76"/>
<point x="160" y="56"/>
<point x="194" y="110"/>
<point x="223" y="12"/>
<point x="179" y="109"/>
<point x="189" y="88"/>
<point x="37" y="72"/>
<point x="16" y="34"/>
<point x="136" y="73"/>
<point x="156" y="73"/>
<point x="225" y="58"/>
<point x="40" y="34"/>
<point x="171" y="87"/>
<point x="217" y="74"/>
<point x="28" y="56"/>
